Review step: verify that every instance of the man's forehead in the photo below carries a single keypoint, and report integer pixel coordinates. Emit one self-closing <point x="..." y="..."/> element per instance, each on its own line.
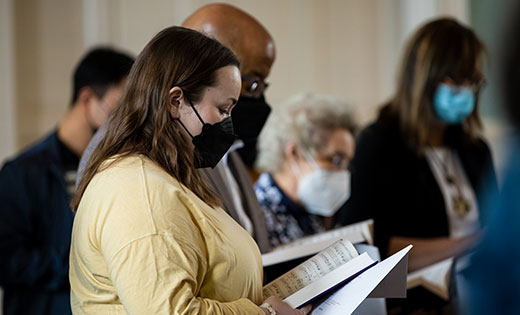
<point x="257" y="67"/>
<point x="240" y="32"/>
<point x="256" y="56"/>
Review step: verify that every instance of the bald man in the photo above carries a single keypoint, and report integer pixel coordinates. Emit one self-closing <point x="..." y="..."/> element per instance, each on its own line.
<point x="255" y="50"/>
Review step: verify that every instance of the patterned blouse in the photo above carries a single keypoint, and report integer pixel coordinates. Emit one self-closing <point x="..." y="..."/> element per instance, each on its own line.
<point x="286" y="221"/>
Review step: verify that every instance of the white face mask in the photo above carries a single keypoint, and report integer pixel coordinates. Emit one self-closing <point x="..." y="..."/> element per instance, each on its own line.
<point x="323" y="192"/>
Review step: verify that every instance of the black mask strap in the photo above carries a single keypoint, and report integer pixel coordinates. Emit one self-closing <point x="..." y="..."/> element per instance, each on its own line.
<point x="200" y="118"/>
<point x="179" y="120"/>
<point x="197" y="113"/>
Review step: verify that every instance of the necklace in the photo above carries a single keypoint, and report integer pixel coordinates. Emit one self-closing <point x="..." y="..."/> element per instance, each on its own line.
<point x="461" y="205"/>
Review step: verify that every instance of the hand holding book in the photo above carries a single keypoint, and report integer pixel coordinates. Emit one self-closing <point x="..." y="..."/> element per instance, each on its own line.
<point x="331" y="270"/>
<point x="275" y="305"/>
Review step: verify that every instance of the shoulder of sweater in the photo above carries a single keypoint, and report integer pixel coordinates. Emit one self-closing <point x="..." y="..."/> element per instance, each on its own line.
<point x="130" y="173"/>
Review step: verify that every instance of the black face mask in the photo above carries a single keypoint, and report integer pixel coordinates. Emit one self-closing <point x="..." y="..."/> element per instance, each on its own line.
<point x="249" y="117"/>
<point x="213" y="142"/>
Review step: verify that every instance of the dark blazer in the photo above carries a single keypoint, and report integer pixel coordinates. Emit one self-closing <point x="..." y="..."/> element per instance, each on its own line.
<point x="395" y="186"/>
<point x="35" y="229"/>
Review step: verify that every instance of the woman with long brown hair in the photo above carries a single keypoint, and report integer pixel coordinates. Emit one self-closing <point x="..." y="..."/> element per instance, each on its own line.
<point x="149" y="236"/>
<point x="422" y="170"/>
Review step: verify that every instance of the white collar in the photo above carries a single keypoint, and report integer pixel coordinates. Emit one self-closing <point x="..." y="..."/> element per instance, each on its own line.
<point x="235" y="146"/>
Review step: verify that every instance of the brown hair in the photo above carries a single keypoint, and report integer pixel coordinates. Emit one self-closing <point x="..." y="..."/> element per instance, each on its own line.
<point x="439" y="50"/>
<point x="142" y="124"/>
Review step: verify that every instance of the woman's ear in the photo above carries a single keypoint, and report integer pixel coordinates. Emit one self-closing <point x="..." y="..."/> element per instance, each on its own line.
<point x="290" y="151"/>
<point x="175" y="97"/>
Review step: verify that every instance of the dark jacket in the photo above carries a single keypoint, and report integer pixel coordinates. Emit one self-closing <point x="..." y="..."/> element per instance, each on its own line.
<point x="35" y="230"/>
<point x="395" y="186"/>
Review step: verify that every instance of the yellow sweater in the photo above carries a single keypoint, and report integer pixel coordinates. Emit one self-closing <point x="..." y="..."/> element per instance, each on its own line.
<point x="142" y="243"/>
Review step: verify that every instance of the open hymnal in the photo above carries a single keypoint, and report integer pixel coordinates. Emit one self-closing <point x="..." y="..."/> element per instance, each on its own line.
<point x="334" y="269"/>
<point x="435" y="278"/>
<point x="310" y="245"/>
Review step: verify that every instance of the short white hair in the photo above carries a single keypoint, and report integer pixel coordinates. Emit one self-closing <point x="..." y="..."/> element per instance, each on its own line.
<point x="302" y="120"/>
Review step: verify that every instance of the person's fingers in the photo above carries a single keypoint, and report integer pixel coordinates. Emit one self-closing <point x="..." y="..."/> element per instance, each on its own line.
<point x="306" y="309"/>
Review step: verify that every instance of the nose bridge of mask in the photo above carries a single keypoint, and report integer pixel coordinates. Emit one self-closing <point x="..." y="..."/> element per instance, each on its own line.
<point x="227" y="125"/>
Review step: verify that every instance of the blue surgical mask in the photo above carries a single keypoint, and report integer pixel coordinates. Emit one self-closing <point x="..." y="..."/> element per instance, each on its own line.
<point x="453" y="105"/>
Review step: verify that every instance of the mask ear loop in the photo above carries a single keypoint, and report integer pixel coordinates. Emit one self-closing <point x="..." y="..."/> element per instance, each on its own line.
<point x="310" y="159"/>
<point x="294" y="168"/>
<point x="196" y="113"/>
<point x="179" y="120"/>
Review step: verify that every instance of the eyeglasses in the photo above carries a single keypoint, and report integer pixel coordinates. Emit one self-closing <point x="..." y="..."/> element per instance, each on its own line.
<point x="255" y="87"/>
<point x="474" y="86"/>
<point x="335" y="161"/>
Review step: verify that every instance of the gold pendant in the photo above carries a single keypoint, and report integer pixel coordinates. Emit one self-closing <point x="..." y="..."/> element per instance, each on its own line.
<point x="461" y="206"/>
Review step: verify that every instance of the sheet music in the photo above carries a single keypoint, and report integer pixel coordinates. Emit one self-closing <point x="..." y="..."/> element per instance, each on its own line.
<point x="310" y="245"/>
<point x="347" y="299"/>
<point x="316" y="267"/>
<point x="342" y="274"/>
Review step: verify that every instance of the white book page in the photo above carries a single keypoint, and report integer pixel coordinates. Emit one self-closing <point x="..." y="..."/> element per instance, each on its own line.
<point x="361" y="231"/>
<point x="306" y="246"/>
<point x="347" y="299"/>
<point x="287" y="254"/>
<point x="435" y="278"/>
<point x="330" y="280"/>
<point x="310" y="270"/>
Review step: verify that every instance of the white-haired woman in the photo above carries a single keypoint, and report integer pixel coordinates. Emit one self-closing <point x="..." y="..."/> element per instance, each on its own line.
<point x="305" y="149"/>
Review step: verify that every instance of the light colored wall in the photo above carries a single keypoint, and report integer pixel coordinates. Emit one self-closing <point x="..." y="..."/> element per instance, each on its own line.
<point x="7" y="93"/>
<point x="7" y="116"/>
<point x="48" y="42"/>
<point x="346" y="48"/>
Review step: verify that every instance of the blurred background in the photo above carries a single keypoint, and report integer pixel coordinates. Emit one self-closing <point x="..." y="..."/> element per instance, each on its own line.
<point x="346" y="48"/>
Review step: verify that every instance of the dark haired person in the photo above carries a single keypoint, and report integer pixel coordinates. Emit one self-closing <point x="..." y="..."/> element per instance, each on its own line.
<point x="421" y="169"/>
<point x="494" y="274"/>
<point x="254" y="48"/>
<point x="35" y="191"/>
<point x="149" y="235"/>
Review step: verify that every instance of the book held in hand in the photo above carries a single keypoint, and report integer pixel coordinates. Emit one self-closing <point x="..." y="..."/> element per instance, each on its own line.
<point x="434" y="278"/>
<point x="310" y="245"/>
<point x="336" y="269"/>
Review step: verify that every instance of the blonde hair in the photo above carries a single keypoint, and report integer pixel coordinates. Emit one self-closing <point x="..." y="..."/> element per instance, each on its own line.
<point x="302" y="120"/>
